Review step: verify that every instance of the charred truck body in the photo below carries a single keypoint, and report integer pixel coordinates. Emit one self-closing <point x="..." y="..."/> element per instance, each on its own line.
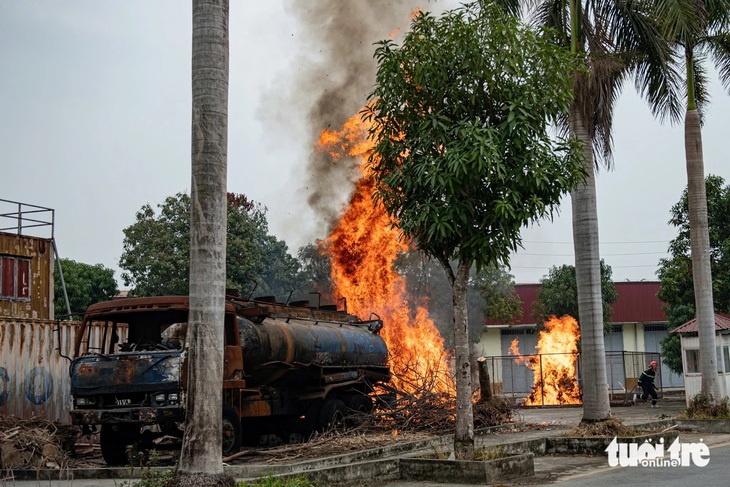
<point x="288" y="370"/>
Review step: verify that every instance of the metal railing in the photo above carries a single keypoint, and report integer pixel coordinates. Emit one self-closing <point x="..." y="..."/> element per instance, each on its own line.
<point x="24" y="217"/>
<point x="513" y="376"/>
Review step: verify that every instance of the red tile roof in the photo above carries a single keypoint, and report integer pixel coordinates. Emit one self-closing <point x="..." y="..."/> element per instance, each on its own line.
<point x="722" y="322"/>
<point x="637" y="303"/>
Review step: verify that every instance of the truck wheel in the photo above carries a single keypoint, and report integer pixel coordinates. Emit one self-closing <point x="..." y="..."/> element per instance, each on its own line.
<point x="359" y="408"/>
<point x="310" y="424"/>
<point x="332" y="415"/>
<point x="360" y="404"/>
<point x="114" y="441"/>
<point x="232" y="433"/>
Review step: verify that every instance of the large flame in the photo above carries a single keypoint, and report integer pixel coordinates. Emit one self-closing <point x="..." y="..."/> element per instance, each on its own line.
<point x="363" y="247"/>
<point x="554" y="366"/>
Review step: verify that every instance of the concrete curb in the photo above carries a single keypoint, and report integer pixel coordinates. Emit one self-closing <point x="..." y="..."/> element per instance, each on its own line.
<point x="704" y="425"/>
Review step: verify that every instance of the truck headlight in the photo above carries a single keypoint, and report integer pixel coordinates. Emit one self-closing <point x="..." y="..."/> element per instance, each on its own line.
<point x="173" y="398"/>
<point x="160" y="398"/>
<point x="85" y="401"/>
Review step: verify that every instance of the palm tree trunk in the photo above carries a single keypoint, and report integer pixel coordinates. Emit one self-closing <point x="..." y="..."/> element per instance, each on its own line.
<point x="596" y="405"/>
<point x="464" y="433"/>
<point x="700" y="244"/>
<point x="201" y="455"/>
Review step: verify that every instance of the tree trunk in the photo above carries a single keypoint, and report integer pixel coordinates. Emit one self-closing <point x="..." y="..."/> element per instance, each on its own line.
<point x="596" y="405"/>
<point x="700" y="244"/>
<point x="464" y="434"/>
<point x="201" y="455"/>
<point x="485" y="384"/>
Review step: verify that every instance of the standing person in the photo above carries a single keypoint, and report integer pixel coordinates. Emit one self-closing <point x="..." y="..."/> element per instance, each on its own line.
<point x="646" y="381"/>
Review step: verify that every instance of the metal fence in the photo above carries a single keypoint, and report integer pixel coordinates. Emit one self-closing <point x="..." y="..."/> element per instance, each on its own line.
<point x="513" y="376"/>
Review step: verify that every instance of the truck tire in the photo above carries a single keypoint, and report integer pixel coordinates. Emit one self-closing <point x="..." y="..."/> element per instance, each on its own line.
<point x="359" y="408"/>
<point x="114" y="441"/>
<point x="360" y="404"/>
<point x="332" y="415"/>
<point x="232" y="433"/>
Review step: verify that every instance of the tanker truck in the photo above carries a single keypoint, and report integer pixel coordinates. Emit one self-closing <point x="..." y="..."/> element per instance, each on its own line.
<point x="289" y="370"/>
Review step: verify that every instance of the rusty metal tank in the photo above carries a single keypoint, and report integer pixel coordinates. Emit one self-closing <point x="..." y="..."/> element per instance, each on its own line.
<point x="278" y="348"/>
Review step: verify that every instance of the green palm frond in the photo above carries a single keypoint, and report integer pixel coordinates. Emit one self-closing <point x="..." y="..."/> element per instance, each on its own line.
<point x="719" y="48"/>
<point x="701" y="82"/>
<point x="718" y="14"/>
<point x="551" y="14"/>
<point x="596" y="96"/>
<point x="683" y="21"/>
<point x="638" y="40"/>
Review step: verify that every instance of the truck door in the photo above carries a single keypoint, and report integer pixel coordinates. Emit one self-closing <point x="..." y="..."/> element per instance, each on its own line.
<point x="232" y="357"/>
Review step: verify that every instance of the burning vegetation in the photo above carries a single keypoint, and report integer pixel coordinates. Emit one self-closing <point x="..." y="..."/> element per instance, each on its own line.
<point x="363" y="247"/>
<point x="554" y="365"/>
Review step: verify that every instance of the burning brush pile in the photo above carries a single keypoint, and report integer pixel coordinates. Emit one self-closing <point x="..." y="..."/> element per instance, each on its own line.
<point x="36" y="443"/>
<point x="413" y="416"/>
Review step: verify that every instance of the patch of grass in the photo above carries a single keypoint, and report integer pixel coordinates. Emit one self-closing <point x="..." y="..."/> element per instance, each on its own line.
<point x="153" y="478"/>
<point x="490" y="454"/>
<point x="272" y="481"/>
<point x="701" y="406"/>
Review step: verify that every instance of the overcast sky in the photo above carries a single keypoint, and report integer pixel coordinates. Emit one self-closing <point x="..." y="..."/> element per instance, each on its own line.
<point x="95" y="122"/>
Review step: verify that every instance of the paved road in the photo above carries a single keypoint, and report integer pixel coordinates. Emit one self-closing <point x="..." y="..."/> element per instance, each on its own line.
<point x="715" y="473"/>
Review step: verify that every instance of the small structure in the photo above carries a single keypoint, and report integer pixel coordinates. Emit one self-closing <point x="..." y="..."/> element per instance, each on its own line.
<point x="27" y="257"/>
<point x="33" y="371"/>
<point x="691" y="355"/>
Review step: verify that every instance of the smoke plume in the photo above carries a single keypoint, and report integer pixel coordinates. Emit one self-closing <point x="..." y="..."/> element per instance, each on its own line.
<point x="339" y="36"/>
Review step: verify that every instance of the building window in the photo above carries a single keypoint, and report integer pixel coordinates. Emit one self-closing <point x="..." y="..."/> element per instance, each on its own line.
<point x="14" y="278"/>
<point x="726" y="357"/>
<point x="692" y="357"/>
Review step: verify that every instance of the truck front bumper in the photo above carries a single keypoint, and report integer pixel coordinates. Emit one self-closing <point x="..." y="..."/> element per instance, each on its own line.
<point x="143" y="415"/>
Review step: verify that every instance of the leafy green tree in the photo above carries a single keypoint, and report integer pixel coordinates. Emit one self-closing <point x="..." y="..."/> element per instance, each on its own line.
<point x="156" y="250"/>
<point x="675" y="272"/>
<point x="496" y="286"/>
<point x="86" y="284"/>
<point x="618" y="39"/>
<point x="315" y="270"/>
<point x="463" y="153"/>
<point x="698" y="30"/>
<point x="558" y="294"/>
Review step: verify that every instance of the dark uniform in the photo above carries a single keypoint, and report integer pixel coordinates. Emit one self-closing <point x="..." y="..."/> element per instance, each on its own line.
<point x="646" y="381"/>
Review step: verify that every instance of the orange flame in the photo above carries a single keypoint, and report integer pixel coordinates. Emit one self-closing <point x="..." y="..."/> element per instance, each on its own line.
<point x="557" y="347"/>
<point x="363" y="247"/>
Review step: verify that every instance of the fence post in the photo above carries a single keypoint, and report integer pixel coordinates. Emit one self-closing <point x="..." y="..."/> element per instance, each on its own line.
<point x="542" y="383"/>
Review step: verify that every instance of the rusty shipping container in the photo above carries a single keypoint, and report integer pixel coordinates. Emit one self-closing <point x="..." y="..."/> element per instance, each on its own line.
<point x="26" y="277"/>
<point x="34" y="378"/>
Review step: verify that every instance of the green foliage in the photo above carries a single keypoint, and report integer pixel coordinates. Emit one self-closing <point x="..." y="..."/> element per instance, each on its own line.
<point x="675" y="272"/>
<point x="558" y="294"/>
<point x="316" y="269"/>
<point x="497" y="287"/>
<point x="698" y="31"/>
<point x="153" y="478"/>
<point x="460" y="116"/>
<point x="157" y="250"/>
<point x="148" y="477"/>
<point x="272" y="481"/>
<point x="85" y="285"/>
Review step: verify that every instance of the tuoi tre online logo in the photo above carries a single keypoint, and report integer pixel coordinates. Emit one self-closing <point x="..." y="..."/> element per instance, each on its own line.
<point x="650" y="454"/>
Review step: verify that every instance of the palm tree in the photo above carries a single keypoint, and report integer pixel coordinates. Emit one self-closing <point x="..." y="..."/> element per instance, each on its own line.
<point x="619" y="40"/>
<point x="201" y="455"/>
<point x="698" y="29"/>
